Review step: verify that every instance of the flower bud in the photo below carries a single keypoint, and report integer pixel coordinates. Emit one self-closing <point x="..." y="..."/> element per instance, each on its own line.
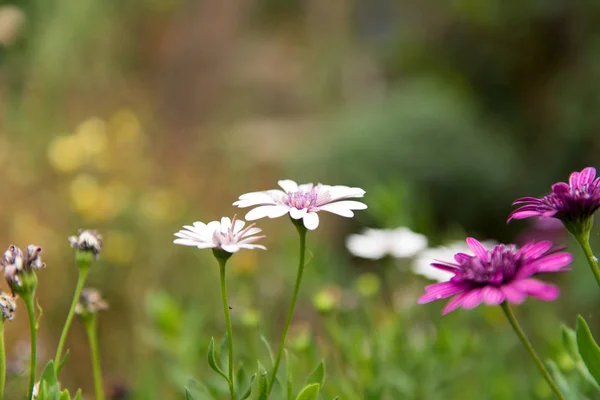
<point x="19" y="268"/>
<point x="90" y="302"/>
<point x="88" y="244"/>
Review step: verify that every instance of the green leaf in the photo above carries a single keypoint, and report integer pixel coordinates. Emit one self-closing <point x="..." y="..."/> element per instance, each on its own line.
<point x="63" y="361"/>
<point x="248" y="391"/>
<point x="78" y="395"/>
<point x="65" y="395"/>
<point x="260" y="386"/>
<point x="588" y="349"/>
<point x="49" y="375"/>
<point x="318" y="375"/>
<point x="211" y="359"/>
<point x="194" y="390"/>
<point x="268" y="346"/>
<point x="569" y="339"/>
<point x="562" y="382"/>
<point x="310" y="392"/>
<point x="224" y="353"/>
<point x="288" y="374"/>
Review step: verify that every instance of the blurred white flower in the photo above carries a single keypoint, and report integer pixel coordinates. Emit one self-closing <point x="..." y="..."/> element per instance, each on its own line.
<point x="378" y="243"/>
<point x="228" y="235"/>
<point x="422" y="264"/>
<point x="302" y="202"/>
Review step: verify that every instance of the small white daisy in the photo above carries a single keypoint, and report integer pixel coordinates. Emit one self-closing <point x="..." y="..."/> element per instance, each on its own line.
<point x="228" y="235"/>
<point x="378" y="243"/>
<point x="302" y="202"/>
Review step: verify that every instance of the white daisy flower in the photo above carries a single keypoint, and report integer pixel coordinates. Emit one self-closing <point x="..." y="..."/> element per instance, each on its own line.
<point x="302" y="202"/>
<point x="422" y="264"/>
<point x="228" y="235"/>
<point x="378" y="243"/>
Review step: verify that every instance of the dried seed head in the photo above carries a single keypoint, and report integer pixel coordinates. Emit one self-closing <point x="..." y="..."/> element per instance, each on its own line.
<point x="7" y="306"/>
<point x="19" y="268"/>
<point x="90" y="302"/>
<point x="87" y="240"/>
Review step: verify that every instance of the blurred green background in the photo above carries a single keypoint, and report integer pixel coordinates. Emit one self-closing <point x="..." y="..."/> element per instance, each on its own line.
<point x="138" y="117"/>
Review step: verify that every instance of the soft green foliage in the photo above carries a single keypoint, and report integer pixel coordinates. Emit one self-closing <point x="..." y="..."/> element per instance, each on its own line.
<point x="49" y="388"/>
<point x="588" y="349"/>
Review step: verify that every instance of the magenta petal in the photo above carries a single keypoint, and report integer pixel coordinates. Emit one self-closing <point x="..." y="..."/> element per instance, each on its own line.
<point x="441" y="291"/>
<point x="513" y="294"/>
<point x="541" y="290"/>
<point x="461" y="257"/>
<point x="574" y="179"/>
<point x="477" y="248"/>
<point x="522" y="214"/>
<point x="587" y="176"/>
<point x="536" y="250"/>
<point x="560" y="187"/>
<point x="492" y="296"/>
<point x="552" y="263"/>
<point x="528" y="200"/>
<point x="445" y="267"/>
<point x="453" y="304"/>
<point x="473" y="298"/>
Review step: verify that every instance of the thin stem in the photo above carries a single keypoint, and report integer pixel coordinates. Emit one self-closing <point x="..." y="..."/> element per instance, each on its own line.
<point x="519" y="331"/>
<point x="92" y="334"/>
<point x="290" y="313"/>
<point x="2" y="360"/>
<point x="29" y="303"/>
<point x="222" y="263"/>
<point x="584" y="241"/>
<point x="83" y="271"/>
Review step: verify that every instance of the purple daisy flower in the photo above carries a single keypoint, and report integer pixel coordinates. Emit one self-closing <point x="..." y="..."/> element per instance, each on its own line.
<point x="503" y="273"/>
<point x="571" y="203"/>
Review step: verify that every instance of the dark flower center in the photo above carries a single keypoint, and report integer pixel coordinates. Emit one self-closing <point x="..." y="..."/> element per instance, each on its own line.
<point x="502" y="266"/>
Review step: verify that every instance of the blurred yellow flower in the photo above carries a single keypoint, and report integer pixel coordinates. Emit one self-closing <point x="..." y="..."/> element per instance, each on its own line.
<point x="84" y="191"/>
<point x="91" y="136"/>
<point x="121" y="249"/>
<point x="160" y="205"/>
<point x="64" y="154"/>
<point x="124" y="126"/>
<point x="245" y="263"/>
<point x="367" y="284"/>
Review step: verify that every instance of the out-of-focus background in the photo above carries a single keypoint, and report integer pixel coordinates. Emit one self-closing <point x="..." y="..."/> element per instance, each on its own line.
<point x="138" y="117"/>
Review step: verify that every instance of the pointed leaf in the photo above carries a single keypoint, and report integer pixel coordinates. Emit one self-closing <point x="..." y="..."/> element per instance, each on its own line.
<point x="65" y="395"/>
<point x="63" y="361"/>
<point x="194" y="390"/>
<point x="268" y="346"/>
<point x="224" y="353"/>
<point x="318" y="375"/>
<point x="288" y="374"/>
<point x="310" y="392"/>
<point x="78" y="395"/>
<point x="211" y="359"/>
<point x="49" y="375"/>
<point x="588" y="349"/>
<point x="565" y="388"/>
<point x="260" y="386"/>
<point x="248" y="391"/>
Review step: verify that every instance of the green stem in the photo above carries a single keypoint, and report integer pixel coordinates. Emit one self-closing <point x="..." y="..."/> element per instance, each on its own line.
<point x="519" y="331"/>
<point x="29" y="303"/>
<point x="2" y="360"/>
<point x="92" y="334"/>
<point x="290" y="313"/>
<point x="222" y="263"/>
<point x="583" y="239"/>
<point x="83" y="271"/>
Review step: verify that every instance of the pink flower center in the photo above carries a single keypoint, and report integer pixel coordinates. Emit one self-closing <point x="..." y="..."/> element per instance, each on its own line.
<point x="502" y="266"/>
<point x="302" y="199"/>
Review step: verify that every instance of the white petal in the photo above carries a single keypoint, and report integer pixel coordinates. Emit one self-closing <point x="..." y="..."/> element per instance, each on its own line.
<point x="366" y="246"/>
<point x="335" y="209"/>
<point x="213" y="226"/>
<point x="199" y="225"/>
<point x="311" y="221"/>
<point x="297" y="214"/>
<point x="225" y="224"/>
<point x="278" y="211"/>
<point x="405" y="243"/>
<point x="230" y="248"/>
<point x="251" y="231"/>
<point x="239" y="225"/>
<point x="256" y="198"/>
<point x="306" y="187"/>
<point x="350" y="204"/>
<point x="252" y="246"/>
<point x="345" y="192"/>
<point x="186" y="242"/>
<point x="187" y="235"/>
<point x="288" y="185"/>
<point x="266" y="211"/>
